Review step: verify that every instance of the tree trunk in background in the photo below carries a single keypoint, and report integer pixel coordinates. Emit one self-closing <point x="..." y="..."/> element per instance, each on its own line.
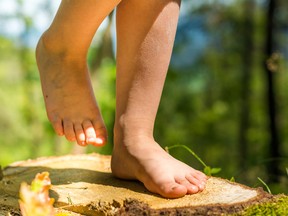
<point x="247" y="59"/>
<point x="274" y="144"/>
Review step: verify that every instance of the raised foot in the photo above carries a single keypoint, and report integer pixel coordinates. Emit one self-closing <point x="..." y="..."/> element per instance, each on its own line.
<point x="69" y="99"/>
<point x="147" y="162"/>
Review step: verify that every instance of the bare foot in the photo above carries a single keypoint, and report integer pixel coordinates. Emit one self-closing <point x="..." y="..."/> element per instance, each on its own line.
<point x="70" y="103"/>
<point x="143" y="159"/>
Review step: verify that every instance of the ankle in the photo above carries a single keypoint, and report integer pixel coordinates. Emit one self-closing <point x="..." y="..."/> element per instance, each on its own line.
<point x="128" y="127"/>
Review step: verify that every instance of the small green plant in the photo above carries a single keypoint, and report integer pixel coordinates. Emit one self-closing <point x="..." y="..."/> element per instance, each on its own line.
<point x="268" y="189"/>
<point x="207" y="169"/>
<point x="69" y="200"/>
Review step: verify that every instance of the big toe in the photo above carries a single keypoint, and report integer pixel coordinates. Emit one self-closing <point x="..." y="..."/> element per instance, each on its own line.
<point x="90" y="133"/>
<point x="101" y="134"/>
<point x="172" y="190"/>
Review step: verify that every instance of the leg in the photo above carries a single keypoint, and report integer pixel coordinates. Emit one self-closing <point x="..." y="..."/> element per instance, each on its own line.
<point x="146" y="31"/>
<point x="61" y="58"/>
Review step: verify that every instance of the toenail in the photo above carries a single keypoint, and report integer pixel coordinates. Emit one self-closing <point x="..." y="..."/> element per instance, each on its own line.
<point x="99" y="140"/>
<point x="91" y="139"/>
<point x="83" y="143"/>
<point x="202" y="186"/>
<point x="194" y="188"/>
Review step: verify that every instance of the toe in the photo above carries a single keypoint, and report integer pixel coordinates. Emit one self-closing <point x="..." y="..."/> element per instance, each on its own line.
<point x="199" y="175"/>
<point x="192" y="188"/>
<point x="57" y="125"/>
<point x="69" y="130"/>
<point x="89" y="132"/>
<point x="80" y="135"/>
<point x="101" y="132"/>
<point x="172" y="190"/>
<point x="200" y="185"/>
<point x="166" y="187"/>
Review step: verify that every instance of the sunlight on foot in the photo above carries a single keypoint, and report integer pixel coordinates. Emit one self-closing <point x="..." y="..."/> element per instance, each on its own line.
<point x="147" y="162"/>
<point x="70" y="103"/>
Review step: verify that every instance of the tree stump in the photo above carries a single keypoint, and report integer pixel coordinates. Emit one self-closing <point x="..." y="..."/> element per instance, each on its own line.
<point x="84" y="185"/>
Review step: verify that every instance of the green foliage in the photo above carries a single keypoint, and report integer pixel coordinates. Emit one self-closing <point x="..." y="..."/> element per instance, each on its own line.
<point x="211" y="171"/>
<point x="24" y="128"/>
<point x="207" y="169"/>
<point x="268" y="189"/>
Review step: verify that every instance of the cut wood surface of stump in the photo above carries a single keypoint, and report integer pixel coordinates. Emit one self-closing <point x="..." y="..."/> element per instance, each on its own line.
<point x="84" y="185"/>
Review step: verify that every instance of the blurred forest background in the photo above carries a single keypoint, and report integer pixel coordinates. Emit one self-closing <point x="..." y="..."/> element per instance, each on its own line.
<point x="226" y="94"/>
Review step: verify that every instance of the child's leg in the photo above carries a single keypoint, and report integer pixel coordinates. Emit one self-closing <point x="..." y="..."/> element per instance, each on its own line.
<point x="146" y="31"/>
<point x="61" y="58"/>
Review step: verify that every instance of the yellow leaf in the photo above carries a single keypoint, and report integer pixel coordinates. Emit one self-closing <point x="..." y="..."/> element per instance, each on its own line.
<point x="34" y="199"/>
